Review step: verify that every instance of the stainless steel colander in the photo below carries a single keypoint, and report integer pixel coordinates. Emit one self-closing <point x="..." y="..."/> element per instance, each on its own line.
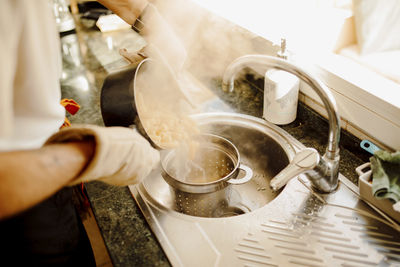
<point x="203" y="187"/>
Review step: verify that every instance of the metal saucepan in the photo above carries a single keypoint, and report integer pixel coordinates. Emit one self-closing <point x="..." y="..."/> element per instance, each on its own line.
<point x="116" y="97"/>
<point x="217" y="163"/>
<point x="119" y="94"/>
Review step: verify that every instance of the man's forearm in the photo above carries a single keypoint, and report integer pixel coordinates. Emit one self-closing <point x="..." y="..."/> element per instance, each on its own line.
<point x="28" y="177"/>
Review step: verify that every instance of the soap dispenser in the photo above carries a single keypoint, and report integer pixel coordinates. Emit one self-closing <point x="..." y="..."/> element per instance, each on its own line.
<point x="281" y="90"/>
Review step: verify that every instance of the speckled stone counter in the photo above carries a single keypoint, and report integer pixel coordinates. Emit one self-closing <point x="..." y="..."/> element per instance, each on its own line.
<point x="127" y="236"/>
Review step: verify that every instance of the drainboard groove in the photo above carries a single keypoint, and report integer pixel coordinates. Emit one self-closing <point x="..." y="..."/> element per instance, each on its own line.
<point x="355" y="260"/>
<point x="302" y="257"/>
<point x="250" y="240"/>
<point x="373" y="240"/>
<point x="256" y="261"/>
<point x="278" y="222"/>
<point x="290" y="231"/>
<point x="361" y="225"/>
<point x="326" y="230"/>
<point x="349" y="217"/>
<point x="251" y="246"/>
<point x="277" y="227"/>
<point x="296" y="249"/>
<point x="337" y="244"/>
<point x="345" y="252"/>
<point x="330" y="237"/>
<point x="315" y="222"/>
<point x="315" y="217"/>
<point x="322" y="224"/>
<point x="253" y="253"/>
<point x="368" y="233"/>
<point x="304" y="263"/>
<point x="280" y="234"/>
<point x="386" y="247"/>
<point x="288" y="241"/>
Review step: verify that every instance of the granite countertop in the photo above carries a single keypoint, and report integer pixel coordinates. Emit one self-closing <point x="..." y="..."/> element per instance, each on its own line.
<point x="88" y="57"/>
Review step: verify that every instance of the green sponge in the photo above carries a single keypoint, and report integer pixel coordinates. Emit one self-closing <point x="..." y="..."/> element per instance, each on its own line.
<point x="386" y="175"/>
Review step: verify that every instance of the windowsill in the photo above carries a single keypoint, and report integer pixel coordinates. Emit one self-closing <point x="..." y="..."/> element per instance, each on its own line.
<point x="365" y="99"/>
<point x="376" y="91"/>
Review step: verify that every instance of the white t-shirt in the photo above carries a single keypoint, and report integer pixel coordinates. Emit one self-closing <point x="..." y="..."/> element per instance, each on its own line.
<point x="30" y="68"/>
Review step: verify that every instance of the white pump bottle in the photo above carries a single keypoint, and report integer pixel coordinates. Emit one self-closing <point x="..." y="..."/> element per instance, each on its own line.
<point x="281" y="90"/>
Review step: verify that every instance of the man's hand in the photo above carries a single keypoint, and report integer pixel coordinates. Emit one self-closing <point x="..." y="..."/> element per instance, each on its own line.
<point x="128" y="10"/>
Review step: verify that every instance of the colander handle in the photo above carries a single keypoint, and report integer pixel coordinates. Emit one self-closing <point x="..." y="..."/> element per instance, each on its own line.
<point x="247" y="177"/>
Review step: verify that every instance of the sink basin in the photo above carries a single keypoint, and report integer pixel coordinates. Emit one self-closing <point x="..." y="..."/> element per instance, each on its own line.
<point x="261" y="148"/>
<point x="294" y="227"/>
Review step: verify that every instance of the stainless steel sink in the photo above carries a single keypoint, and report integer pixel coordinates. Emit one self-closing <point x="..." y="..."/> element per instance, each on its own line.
<point x="293" y="227"/>
<point x="261" y="148"/>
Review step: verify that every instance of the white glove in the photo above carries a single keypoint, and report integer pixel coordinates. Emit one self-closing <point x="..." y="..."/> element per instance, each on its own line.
<point x="122" y="156"/>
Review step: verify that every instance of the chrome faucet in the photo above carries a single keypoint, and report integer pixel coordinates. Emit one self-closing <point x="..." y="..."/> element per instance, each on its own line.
<point x="322" y="171"/>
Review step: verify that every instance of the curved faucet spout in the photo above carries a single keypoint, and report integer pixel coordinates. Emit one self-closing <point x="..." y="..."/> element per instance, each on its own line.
<point x="330" y="160"/>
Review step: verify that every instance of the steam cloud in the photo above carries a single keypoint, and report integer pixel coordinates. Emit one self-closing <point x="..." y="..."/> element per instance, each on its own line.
<point x="194" y="40"/>
<point x="190" y="42"/>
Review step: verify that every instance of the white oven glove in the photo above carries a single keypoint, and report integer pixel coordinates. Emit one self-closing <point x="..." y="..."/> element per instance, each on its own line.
<point x="121" y="157"/>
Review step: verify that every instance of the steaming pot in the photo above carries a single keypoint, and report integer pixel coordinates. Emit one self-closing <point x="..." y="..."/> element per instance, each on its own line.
<point x="118" y="100"/>
<point x="210" y="197"/>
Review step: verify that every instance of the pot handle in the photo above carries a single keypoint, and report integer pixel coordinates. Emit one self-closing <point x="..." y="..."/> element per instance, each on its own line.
<point x="247" y="177"/>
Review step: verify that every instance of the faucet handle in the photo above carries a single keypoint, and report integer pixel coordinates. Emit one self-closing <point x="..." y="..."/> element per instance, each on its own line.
<point x="304" y="160"/>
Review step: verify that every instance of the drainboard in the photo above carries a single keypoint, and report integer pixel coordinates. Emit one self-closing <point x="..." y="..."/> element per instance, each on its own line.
<point x="294" y="227"/>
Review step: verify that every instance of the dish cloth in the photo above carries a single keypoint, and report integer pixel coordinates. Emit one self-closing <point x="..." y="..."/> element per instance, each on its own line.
<point x="386" y="175"/>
